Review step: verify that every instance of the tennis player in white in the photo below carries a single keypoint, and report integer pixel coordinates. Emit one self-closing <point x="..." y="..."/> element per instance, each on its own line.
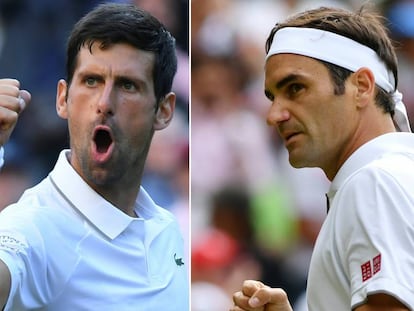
<point x="331" y="77"/>
<point x="89" y="237"/>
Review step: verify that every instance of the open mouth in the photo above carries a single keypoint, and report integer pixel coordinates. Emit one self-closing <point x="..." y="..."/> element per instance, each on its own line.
<point x="103" y="140"/>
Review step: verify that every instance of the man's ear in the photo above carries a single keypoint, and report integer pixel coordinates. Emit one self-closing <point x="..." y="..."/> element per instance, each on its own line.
<point x="364" y="81"/>
<point x="165" y="112"/>
<point x="61" y="103"/>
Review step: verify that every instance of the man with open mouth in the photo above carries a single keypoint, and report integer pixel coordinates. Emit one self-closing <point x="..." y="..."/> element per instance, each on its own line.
<point x="89" y="237"/>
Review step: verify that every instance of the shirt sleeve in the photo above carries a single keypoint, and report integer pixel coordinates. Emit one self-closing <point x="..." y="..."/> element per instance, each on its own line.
<point x="37" y="253"/>
<point x="23" y="251"/>
<point x="379" y="241"/>
<point x="9" y="254"/>
<point x="1" y="157"/>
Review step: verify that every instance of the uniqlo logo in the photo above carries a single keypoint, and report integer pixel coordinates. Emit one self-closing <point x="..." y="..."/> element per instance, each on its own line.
<point x="366" y="271"/>
<point x="377" y="263"/>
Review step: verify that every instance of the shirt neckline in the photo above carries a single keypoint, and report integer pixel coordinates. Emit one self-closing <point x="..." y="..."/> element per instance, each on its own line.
<point x="102" y="214"/>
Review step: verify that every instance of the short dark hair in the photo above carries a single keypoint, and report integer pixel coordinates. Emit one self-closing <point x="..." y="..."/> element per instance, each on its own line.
<point x="112" y="23"/>
<point x="364" y="26"/>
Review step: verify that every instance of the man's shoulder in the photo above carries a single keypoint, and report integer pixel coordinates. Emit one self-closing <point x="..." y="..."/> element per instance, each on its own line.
<point x="34" y="200"/>
<point x="395" y="166"/>
<point x="384" y="182"/>
<point x="40" y="209"/>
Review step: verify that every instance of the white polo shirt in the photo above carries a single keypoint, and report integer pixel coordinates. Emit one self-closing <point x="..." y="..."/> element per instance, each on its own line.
<point x="366" y="243"/>
<point x="69" y="249"/>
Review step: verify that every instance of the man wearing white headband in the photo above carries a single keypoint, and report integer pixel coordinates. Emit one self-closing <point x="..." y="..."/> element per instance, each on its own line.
<point x="331" y="77"/>
<point x="13" y="101"/>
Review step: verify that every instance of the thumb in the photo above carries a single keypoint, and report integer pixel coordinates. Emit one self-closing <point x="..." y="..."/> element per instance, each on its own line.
<point x="274" y="299"/>
<point x="25" y="97"/>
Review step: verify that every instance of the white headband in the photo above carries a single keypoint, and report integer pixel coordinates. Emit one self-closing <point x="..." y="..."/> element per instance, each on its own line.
<point x="343" y="52"/>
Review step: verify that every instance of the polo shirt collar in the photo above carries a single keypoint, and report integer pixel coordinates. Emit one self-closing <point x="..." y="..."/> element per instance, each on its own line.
<point x="374" y="149"/>
<point x="102" y="214"/>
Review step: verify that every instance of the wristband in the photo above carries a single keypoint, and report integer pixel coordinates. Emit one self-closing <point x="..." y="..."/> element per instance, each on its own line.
<point x="1" y="156"/>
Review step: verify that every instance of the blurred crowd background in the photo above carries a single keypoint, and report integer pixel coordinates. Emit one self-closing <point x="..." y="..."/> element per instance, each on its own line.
<point x="253" y="216"/>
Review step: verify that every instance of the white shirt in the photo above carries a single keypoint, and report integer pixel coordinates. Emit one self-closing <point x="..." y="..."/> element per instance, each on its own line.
<point x="69" y="249"/>
<point x="366" y="243"/>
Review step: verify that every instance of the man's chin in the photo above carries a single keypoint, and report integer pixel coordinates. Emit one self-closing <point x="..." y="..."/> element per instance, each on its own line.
<point x="100" y="178"/>
<point x="298" y="161"/>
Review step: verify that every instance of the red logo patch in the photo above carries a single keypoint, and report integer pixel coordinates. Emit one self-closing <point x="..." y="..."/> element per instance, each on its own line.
<point x="368" y="270"/>
<point x="377" y="263"/>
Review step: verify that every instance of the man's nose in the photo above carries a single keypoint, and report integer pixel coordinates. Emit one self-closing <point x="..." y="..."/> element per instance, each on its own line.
<point x="277" y="113"/>
<point x="106" y="104"/>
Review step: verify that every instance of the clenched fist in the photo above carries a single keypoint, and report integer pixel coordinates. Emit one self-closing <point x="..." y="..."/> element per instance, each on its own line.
<point x="13" y="101"/>
<point x="255" y="296"/>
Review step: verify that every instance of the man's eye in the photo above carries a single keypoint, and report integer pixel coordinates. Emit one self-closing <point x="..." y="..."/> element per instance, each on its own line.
<point x="90" y="81"/>
<point x="129" y="86"/>
<point x="294" y="88"/>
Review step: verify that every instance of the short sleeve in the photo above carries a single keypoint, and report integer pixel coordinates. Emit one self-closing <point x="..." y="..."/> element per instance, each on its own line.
<point x="40" y="256"/>
<point x="11" y="249"/>
<point x="380" y="236"/>
<point x="22" y="250"/>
